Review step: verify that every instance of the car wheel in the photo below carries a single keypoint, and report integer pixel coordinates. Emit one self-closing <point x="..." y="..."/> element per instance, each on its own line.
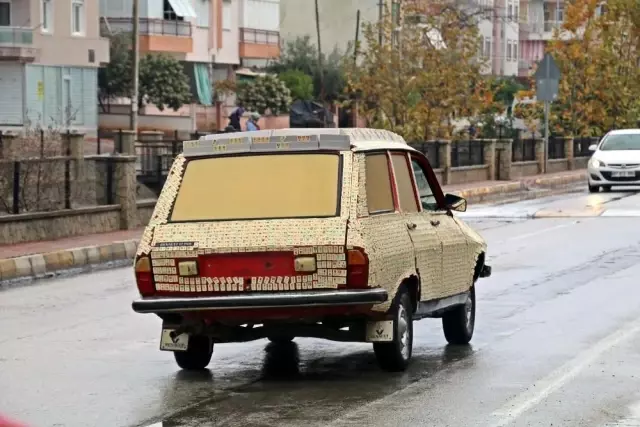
<point x="281" y="339"/>
<point x="606" y="188"/>
<point x="198" y="354"/>
<point x="594" y="188"/>
<point x="395" y="356"/>
<point x="458" y="324"/>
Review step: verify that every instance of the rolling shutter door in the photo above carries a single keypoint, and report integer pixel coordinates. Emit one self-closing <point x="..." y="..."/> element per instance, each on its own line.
<point x="11" y="98"/>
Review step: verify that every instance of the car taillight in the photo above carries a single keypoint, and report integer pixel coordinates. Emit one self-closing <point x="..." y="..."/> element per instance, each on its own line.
<point x="144" y="276"/>
<point x="357" y="269"/>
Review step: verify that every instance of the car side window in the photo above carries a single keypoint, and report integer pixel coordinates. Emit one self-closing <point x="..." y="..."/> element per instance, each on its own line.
<point x="404" y="183"/>
<point x="378" y="184"/>
<point x="427" y="199"/>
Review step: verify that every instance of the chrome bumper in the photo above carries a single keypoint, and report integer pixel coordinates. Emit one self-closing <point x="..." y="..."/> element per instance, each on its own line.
<point x="260" y="300"/>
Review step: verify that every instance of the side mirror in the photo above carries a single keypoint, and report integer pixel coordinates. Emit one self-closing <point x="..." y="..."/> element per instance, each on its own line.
<point x="593" y="147"/>
<point x="455" y="203"/>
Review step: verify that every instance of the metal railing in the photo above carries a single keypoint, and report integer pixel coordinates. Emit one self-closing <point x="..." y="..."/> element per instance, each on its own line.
<point x="523" y="150"/>
<point x="467" y="153"/>
<point x="430" y="149"/>
<point x="16" y="36"/>
<point x="148" y="26"/>
<point x="581" y="145"/>
<point x="556" y="148"/>
<point x="251" y="35"/>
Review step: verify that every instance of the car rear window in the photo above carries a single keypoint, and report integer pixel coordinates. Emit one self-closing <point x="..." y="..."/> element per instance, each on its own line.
<point x="259" y="187"/>
<point x="629" y="141"/>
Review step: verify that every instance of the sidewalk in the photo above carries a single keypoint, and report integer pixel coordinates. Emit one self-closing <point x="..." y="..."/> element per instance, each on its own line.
<point x="45" y="258"/>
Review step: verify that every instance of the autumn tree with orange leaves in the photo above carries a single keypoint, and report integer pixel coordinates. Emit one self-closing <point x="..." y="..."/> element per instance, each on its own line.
<point x="424" y="74"/>
<point x="598" y="53"/>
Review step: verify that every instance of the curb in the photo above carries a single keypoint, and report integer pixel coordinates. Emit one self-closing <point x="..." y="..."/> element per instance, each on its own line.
<point x="53" y="263"/>
<point x="474" y="195"/>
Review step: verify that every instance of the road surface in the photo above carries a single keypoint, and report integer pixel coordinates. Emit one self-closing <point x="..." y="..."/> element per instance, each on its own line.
<point x="557" y="344"/>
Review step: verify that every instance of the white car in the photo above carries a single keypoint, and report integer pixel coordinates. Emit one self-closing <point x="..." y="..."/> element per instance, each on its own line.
<point x="615" y="161"/>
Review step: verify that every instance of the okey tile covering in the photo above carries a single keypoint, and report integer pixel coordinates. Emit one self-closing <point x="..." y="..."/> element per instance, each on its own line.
<point x="385" y="237"/>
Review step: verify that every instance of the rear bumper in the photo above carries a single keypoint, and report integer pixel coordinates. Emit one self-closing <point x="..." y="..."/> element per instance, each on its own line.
<point x="261" y="300"/>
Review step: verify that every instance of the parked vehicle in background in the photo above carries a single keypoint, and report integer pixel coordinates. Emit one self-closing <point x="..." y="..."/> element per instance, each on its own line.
<point x="343" y="234"/>
<point x="615" y="160"/>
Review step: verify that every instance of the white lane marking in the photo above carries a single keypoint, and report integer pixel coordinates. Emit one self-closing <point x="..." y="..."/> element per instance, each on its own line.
<point x="621" y="213"/>
<point x="160" y="424"/>
<point x="540" y="390"/>
<point x="545" y="230"/>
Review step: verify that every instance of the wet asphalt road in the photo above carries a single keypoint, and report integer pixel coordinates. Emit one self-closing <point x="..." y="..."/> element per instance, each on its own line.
<point x="557" y="343"/>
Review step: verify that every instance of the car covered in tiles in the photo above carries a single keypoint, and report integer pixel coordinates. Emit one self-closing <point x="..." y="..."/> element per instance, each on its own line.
<point x="341" y="234"/>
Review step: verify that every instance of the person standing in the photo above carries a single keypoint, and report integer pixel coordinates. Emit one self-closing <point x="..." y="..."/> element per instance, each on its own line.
<point x="234" y="118"/>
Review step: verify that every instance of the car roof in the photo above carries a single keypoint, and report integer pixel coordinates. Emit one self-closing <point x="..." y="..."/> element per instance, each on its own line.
<point x="624" y="132"/>
<point x="296" y="139"/>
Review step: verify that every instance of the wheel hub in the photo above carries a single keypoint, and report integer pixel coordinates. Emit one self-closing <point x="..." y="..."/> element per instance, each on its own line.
<point x="403" y="332"/>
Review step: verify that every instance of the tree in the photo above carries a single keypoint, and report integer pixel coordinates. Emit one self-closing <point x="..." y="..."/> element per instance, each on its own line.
<point x="598" y="57"/>
<point x="264" y="93"/>
<point x="162" y="78"/>
<point x="302" y="55"/>
<point x="114" y="80"/>
<point x="422" y="76"/>
<point x="299" y="83"/>
<point x="163" y="82"/>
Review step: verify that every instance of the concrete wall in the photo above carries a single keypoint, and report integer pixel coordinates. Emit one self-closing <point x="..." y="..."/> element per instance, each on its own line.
<point x="465" y="174"/>
<point x="521" y="169"/>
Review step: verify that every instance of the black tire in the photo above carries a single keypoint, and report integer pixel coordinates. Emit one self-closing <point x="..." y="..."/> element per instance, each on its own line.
<point x="458" y="324"/>
<point x="395" y="356"/>
<point x="198" y="354"/>
<point x="594" y="188"/>
<point x="281" y="339"/>
<point x="606" y="188"/>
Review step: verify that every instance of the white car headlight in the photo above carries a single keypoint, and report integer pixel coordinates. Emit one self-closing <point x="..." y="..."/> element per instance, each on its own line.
<point x="597" y="163"/>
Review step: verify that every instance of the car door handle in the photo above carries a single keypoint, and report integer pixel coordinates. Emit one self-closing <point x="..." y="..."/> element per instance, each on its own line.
<point x="435" y="223"/>
<point x="411" y="226"/>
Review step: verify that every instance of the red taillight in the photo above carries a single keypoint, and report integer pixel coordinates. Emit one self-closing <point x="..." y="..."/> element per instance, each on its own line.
<point x="357" y="269"/>
<point x="144" y="276"/>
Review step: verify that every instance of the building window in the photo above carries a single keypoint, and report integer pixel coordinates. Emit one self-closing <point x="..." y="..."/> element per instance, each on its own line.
<point x="508" y="50"/>
<point x="47" y="16"/>
<point x="226" y="15"/>
<point x="516" y="13"/>
<point x="77" y="17"/>
<point x="487" y="47"/>
<point x="5" y="13"/>
<point x="561" y="14"/>
<point x="515" y="51"/>
<point x="510" y="12"/>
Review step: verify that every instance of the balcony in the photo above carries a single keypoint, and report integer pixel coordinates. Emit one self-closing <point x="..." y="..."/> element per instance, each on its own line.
<point x="550" y="26"/>
<point x="259" y="44"/>
<point x="16" y="44"/>
<point x="156" y="35"/>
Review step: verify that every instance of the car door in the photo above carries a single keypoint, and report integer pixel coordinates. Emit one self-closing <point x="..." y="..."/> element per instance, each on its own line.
<point x="428" y="251"/>
<point x="453" y="277"/>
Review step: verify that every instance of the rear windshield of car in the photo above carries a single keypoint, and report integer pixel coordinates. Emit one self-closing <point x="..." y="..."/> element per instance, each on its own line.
<point x="259" y="187"/>
<point x="621" y="142"/>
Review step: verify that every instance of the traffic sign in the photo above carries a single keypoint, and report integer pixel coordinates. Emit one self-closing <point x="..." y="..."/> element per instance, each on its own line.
<point x="547" y="79"/>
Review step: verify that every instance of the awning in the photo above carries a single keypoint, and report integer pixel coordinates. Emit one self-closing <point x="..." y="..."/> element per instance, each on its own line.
<point x="203" y="83"/>
<point x="183" y="8"/>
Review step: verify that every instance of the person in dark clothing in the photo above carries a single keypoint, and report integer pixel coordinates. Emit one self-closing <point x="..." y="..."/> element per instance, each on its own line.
<point x="234" y="118"/>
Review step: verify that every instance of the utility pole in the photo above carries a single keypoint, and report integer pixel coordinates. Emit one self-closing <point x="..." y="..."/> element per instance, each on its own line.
<point x="320" y="63"/>
<point x="135" y="52"/>
<point x="380" y="10"/>
<point x="355" y="47"/>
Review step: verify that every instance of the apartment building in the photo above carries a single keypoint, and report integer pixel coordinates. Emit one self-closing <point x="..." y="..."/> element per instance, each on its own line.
<point x="50" y="52"/>
<point x="338" y="20"/>
<point x="538" y="20"/>
<point x="212" y="38"/>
